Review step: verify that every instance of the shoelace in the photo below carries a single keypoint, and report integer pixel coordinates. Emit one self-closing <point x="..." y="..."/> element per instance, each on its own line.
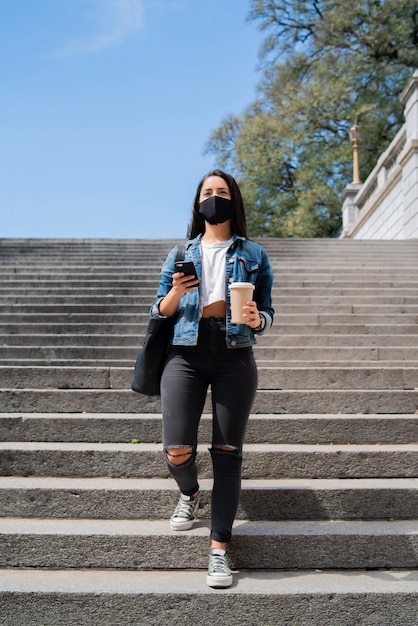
<point x="218" y="564"/>
<point x="184" y="508"/>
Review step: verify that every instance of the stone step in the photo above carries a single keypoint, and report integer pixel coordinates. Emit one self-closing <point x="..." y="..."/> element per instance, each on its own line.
<point x="83" y="377"/>
<point x="154" y="259"/>
<point x="131" y="266"/>
<point x="286" y="287"/>
<point x="119" y="286"/>
<point x="336" y="340"/>
<point x="271" y="340"/>
<point x="91" y="339"/>
<point x="67" y="284"/>
<point x="99" y="272"/>
<point x="147" y="289"/>
<point x="317" y="297"/>
<point x="47" y="251"/>
<point x="355" y="354"/>
<point x="339" y="263"/>
<point x="381" y="302"/>
<point x="114" y="304"/>
<point x="91" y="243"/>
<point x="56" y="329"/>
<point x="128" y="363"/>
<point x="332" y="377"/>
<point x="144" y="460"/>
<point x="355" y="292"/>
<point x="12" y="325"/>
<point x="39" y="282"/>
<point x="257" y="598"/>
<point x="108" y="307"/>
<point x="275" y="352"/>
<point x="119" y="319"/>
<point x="268" y="428"/>
<point x="80" y="296"/>
<point x="102" y="315"/>
<point x="335" y="353"/>
<point x="325" y="363"/>
<point x="343" y="300"/>
<point x="338" y="258"/>
<point x="266" y="401"/>
<point x="279" y="244"/>
<point x="130" y="274"/>
<point x="274" y="499"/>
<point x="355" y="271"/>
<point x="149" y="544"/>
<point x="99" y="286"/>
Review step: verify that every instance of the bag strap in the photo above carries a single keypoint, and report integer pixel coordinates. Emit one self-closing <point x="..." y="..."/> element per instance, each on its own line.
<point x="181" y="252"/>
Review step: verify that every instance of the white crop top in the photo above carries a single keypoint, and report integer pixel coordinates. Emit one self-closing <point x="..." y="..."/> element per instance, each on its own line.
<point x="213" y="271"/>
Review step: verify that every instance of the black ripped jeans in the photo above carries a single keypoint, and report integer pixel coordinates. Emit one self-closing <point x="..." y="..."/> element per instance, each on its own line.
<point x="232" y="375"/>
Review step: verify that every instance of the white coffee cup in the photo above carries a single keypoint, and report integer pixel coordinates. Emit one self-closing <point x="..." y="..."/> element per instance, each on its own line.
<point x="241" y="293"/>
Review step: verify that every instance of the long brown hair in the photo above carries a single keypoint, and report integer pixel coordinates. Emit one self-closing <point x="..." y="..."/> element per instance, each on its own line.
<point x="238" y="221"/>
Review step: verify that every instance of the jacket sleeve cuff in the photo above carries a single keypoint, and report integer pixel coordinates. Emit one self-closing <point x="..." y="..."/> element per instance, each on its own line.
<point x="155" y="310"/>
<point x="268" y="325"/>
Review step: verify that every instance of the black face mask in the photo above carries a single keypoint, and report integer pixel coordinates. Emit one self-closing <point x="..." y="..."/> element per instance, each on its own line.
<point x="216" y="210"/>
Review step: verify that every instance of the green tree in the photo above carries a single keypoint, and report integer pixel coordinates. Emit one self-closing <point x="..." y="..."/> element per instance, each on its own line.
<point x="325" y="66"/>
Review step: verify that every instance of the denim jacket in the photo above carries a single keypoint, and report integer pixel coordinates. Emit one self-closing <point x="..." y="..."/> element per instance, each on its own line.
<point x="246" y="261"/>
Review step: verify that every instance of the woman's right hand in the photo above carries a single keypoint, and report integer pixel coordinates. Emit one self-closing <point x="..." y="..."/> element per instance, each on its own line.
<point x="182" y="283"/>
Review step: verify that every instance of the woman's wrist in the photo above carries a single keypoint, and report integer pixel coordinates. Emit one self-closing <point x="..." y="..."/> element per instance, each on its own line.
<point x="168" y="305"/>
<point x="261" y="325"/>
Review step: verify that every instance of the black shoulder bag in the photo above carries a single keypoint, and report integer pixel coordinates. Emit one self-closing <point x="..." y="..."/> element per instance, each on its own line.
<point x="151" y="357"/>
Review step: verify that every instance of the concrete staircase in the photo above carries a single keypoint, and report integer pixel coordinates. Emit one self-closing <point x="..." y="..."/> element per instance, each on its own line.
<point x="327" y="529"/>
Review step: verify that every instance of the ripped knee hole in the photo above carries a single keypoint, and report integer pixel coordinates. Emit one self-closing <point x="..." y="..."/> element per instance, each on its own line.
<point x="178" y="459"/>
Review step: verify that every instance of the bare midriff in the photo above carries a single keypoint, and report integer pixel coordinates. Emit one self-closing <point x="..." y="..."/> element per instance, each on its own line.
<point x="216" y="309"/>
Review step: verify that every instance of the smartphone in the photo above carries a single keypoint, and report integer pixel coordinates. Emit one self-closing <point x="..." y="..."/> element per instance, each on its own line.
<point x="187" y="267"/>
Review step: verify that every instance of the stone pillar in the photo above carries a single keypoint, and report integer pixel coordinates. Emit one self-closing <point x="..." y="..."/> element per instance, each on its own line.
<point x="349" y="209"/>
<point x="409" y="97"/>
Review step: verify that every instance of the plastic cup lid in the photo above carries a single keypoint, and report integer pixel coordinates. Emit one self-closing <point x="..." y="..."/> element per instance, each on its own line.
<point x="239" y="285"/>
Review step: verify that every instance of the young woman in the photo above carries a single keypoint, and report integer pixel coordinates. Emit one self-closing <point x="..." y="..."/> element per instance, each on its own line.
<point x="207" y="349"/>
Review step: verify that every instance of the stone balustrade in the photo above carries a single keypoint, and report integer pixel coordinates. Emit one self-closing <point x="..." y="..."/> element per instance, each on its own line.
<point x="385" y="206"/>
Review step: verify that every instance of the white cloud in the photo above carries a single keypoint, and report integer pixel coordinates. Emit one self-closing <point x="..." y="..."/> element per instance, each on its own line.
<point x="118" y="20"/>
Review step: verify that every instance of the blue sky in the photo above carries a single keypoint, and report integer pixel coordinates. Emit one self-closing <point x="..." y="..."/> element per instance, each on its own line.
<point x="106" y="107"/>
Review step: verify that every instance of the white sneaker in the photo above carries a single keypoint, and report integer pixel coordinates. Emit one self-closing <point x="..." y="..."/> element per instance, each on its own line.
<point x="184" y="513"/>
<point x="219" y="573"/>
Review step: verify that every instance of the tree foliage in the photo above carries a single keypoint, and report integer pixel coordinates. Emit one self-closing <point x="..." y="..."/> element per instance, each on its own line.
<point x="326" y="65"/>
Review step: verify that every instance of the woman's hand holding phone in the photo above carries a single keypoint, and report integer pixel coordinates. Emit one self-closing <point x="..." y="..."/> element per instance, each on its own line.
<point x="183" y="281"/>
<point x="185" y="278"/>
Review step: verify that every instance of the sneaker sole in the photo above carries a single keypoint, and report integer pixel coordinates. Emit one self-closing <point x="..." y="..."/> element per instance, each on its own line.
<point x="181" y="525"/>
<point x="219" y="581"/>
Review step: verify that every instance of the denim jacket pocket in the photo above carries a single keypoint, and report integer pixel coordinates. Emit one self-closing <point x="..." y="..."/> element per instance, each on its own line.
<point x="249" y="269"/>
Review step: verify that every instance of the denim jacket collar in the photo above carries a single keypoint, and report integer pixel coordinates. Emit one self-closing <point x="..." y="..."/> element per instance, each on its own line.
<point x="198" y="238"/>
